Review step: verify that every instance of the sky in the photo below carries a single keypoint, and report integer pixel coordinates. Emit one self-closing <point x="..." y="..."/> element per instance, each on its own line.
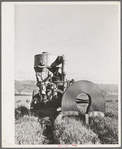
<point x="87" y="34"/>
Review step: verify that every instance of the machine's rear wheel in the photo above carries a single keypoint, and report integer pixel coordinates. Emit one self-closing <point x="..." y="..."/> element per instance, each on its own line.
<point x="96" y="99"/>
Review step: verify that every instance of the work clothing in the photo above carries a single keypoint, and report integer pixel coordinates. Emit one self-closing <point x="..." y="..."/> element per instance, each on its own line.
<point x="42" y="76"/>
<point x="43" y="80"/>
<point x="41" y="65"/>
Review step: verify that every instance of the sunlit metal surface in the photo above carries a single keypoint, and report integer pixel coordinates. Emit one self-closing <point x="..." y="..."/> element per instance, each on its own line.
<point x="96" y="99"/>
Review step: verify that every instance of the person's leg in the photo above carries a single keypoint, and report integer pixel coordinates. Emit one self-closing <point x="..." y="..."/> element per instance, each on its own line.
<point x="54" y="93"/>
<point x="40" y="90"/>
<point x="50" y="92"/>
<point x="44" y="93"/>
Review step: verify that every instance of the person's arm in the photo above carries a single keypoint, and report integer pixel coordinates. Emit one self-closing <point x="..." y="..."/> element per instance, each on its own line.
<point x="50" y="75"/>
<point x="38" y="77"/>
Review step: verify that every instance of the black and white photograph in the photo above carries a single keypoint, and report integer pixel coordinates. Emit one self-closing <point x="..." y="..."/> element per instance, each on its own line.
<point x="61" y="74"/>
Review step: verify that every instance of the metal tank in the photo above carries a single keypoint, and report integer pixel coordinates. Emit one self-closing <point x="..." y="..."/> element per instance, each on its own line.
<point x="46" y="57"/>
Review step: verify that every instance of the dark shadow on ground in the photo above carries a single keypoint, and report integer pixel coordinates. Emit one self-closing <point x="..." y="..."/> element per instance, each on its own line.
<point x="46" y="113"/>
<point x="111" y="115"/>
<point x="20" y="112"/>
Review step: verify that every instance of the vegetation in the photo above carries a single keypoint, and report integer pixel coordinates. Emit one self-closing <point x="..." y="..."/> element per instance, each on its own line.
<point x="28" y="131"/>
<point x="107" y="127"/>
<point x="70" y="130"/>
<point x="73" y="131"/>
<point x="20" y="112"/>
<point x="100" y="131"/>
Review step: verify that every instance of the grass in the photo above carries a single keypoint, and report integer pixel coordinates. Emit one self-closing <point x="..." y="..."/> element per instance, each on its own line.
<point x="101" y="130"/>
<point x="28" y="128"/>
<point x="107" y="127"/>
<point x="28" y="131"/>
<point x="71" y="130"/>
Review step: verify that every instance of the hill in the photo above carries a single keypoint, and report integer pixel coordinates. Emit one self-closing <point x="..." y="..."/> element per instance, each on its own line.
<point x="24" y="87"/>
<point x="27" y="87"/>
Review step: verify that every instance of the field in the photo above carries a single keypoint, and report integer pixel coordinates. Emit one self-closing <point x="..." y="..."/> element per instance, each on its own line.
<point x="30" y="129"/>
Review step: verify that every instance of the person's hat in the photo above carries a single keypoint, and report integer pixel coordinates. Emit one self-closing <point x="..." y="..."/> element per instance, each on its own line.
<point x="41" y="64"/>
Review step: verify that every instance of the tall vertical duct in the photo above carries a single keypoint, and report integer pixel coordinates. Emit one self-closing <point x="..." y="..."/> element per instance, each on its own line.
<point x="45" y="54"/>
<point x="48" y="58"/>
<point x="63" y="68"/>
<point x="63" y="71"/>
<point x="59" y="60"/>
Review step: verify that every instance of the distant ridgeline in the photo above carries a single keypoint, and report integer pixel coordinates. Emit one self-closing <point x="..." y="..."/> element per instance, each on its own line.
<point x="109" y="89"/>
<point x="24" y="87"/>
<point x="27" y="87"/>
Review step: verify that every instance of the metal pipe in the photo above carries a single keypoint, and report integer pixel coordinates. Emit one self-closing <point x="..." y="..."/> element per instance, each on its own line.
<point x="63" y="71"/>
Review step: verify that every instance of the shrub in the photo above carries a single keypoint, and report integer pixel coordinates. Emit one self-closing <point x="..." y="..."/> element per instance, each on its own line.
<point x="28" y="131"/>
<point x="72" y="131"/>
<point x="20" y="112"/>
<point x="106" y="128"/>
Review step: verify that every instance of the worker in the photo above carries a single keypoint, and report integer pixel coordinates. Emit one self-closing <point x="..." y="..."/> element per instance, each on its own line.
<point x="43" y="76"/>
